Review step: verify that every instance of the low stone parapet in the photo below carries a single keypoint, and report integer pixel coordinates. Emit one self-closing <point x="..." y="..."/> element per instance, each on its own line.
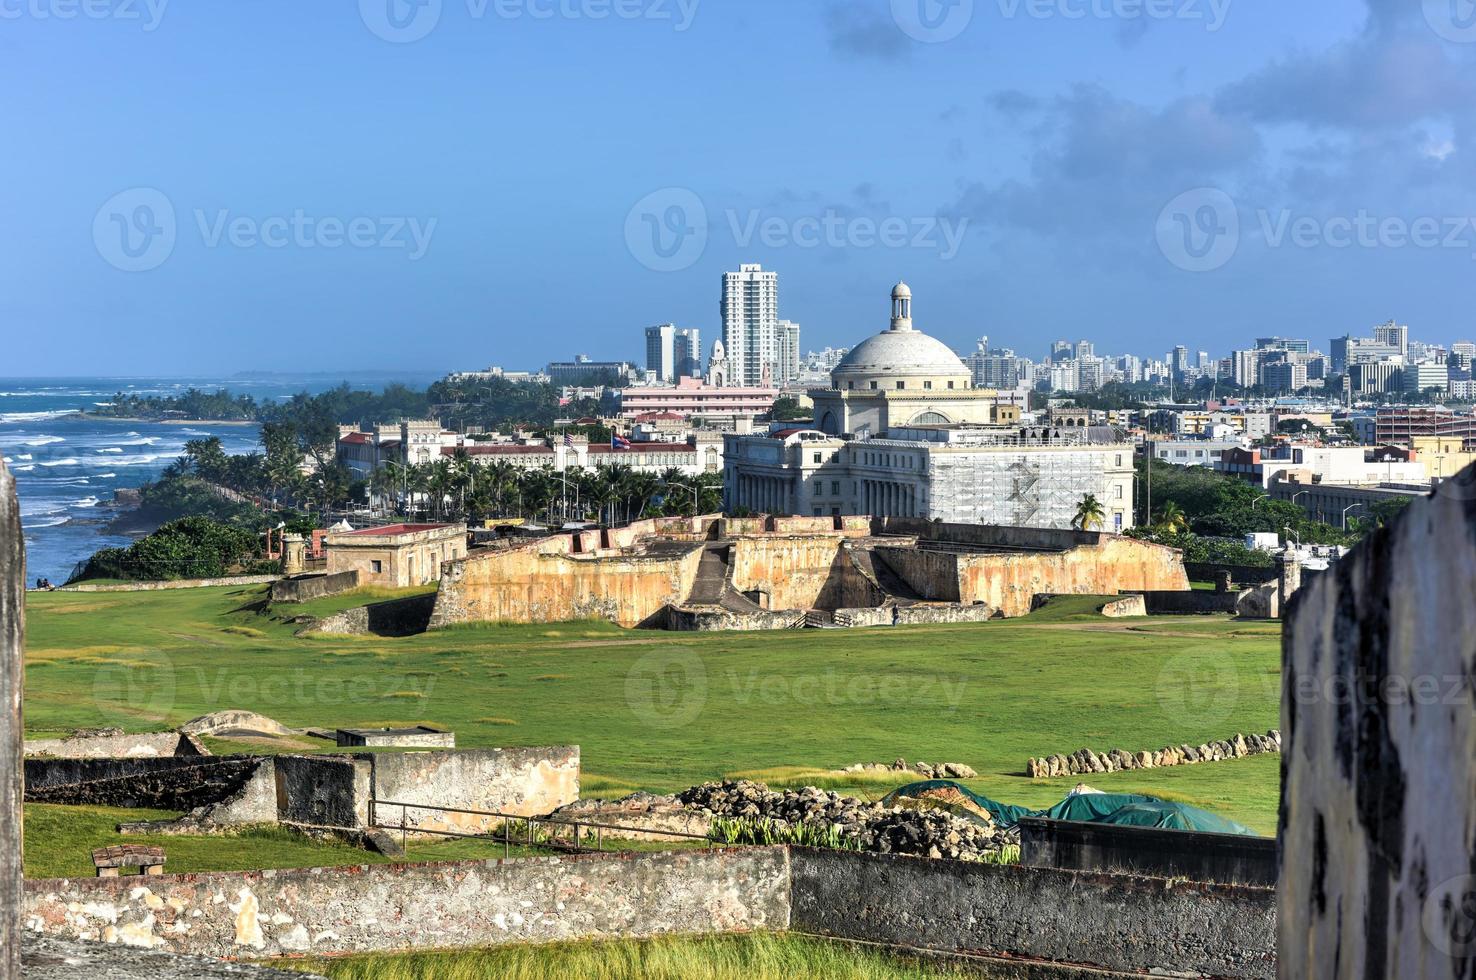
<point x="1085" y="762"/>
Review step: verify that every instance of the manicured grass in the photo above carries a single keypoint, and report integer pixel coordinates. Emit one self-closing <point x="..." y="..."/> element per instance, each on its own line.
<point x="661" y="711"/>
<point x="759" y="956"/>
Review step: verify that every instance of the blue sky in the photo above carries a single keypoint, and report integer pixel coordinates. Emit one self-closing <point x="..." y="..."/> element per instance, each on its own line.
<point x="212" y="187"/>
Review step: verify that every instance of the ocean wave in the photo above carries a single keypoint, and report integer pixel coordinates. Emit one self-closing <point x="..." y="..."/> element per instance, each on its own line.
<point x="14" y="417"/>
<point x="47" y="522"/>
<point x="45" y="440"/>
<point x="25" y="456"/>
<point x="25" y="469"/>
<point x="148" y="441"/>
<point x="6" y="460"/>
<point x="110" y="449"/>
<point x="88" y="501"/>
<point x="107" y="476"/>
<point x="69" y="461"/>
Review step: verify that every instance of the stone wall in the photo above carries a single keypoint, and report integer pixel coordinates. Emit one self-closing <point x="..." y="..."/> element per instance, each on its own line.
<point x="323" y="790"/>
<point x="166" y="783"/>
<point x="406" y="907"/>
<point x="942" y="613"/>
<point x="1114" y="922"/>
<point x="119" y="746"/>
<point x="184" y="583"/>
<point x="523" y="782"/>
<point x="1126" y="608"/>
<point x="1378" y="812"/>
<point x="301" y="588"/>
<point x="1196" y="602"/>
<point x="1085" y="762"/>
<point x="802" y="572"/>
<point x="535" y="584"/>
<point x="398" y="617"/>
<point x="1010" y="582"/>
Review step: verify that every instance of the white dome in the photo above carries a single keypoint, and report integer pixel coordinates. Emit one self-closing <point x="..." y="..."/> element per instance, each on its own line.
<point x="900" y="354"/>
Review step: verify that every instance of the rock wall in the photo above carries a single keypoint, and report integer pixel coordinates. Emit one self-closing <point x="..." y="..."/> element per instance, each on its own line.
<point x="523" y="782"/>
<point x="119" y="746"/>
<point x="1378" y="812"/>
<point x="802" y="572"/>
<point x="12" y="725"/>
<point x="942" y="613"/>
<point x="1010" y="582"/>
<point x="185" y="583"/>
<point x="1126" y="608"/>
<point x="323" y="790"/>
<point x="1085" y="762"/>
<point x="301" y="588"/>
<point x="167" y="783"/>
<point x="398" y="617"/>
<point x="1114" y="922"/>
<point x="529" y="585"/>
<point x="406" y="907"/>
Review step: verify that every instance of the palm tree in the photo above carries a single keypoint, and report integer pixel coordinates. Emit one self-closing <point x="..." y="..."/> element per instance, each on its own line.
<point x="1172" y="520"/>
<point x="1089" y="513"/>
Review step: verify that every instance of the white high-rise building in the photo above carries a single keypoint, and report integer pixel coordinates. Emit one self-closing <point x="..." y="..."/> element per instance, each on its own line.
<point x="673" y="352"/>
<point x="789" y="363"/>
<point x="751" y="325"/>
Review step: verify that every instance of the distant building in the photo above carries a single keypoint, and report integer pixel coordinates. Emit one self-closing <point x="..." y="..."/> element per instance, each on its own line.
<point x="584" y="371"/>
<point x="692" y="397"/>
<point x="1320" y="464"/>
<point x="787" y="340"/>
<point x="396" y="557"/>
<point x="750" y="309"/>
<point x="1191" y="452"/>
<point x="673" y="352"/>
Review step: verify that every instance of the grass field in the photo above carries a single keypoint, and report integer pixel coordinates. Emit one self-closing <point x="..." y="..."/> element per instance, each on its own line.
<point x="753" y="957"/>
<point x="661" y="711"/>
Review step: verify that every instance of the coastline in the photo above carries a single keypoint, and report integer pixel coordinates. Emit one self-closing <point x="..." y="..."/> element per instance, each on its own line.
<point x="134" y="420"/>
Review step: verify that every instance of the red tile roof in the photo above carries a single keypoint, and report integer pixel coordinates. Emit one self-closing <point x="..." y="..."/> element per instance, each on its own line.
<point x="355" y="438"/>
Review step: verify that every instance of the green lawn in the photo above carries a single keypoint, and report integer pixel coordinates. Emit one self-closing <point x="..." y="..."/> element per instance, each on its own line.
<point x="661" y="711"/>
<point x="759" y="956"/>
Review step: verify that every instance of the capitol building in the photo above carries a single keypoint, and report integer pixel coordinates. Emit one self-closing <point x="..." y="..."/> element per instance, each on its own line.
<point x="902" y="432"/>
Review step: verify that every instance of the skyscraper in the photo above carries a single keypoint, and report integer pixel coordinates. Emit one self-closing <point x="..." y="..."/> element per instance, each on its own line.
<point x="751" y="324"/>
<point x="673" y="352"/>
<point x="788" y="342"/>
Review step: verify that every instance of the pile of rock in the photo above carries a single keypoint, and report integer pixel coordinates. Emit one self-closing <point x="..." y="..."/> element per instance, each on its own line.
<point x="944" y="770"/>
<point x="1085" y="761"/>
<point x="887" y="830"/>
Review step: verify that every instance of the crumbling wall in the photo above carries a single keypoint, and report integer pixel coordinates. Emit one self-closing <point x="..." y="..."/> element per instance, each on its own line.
<point x="117" y="746"/>
<point x="301" y="588"/>
<point x="1116" y="922"/>
<point x="1010" y="583"/>
<point x="330" y="912"/>
<point x="165" y="783"/>
<point x="802" y="572"/>
<point x="323" y="790"/>
<point x="525" y="782"/>
<point x="526" y="585"/>
<point x="1378" y="811"/>
<point x="398" y="617"/>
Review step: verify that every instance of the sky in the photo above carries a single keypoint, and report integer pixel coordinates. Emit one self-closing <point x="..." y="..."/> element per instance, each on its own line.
<point x="356" y="185"/>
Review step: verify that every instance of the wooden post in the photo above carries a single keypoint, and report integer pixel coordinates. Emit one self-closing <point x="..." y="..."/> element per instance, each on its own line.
<point x="12" y="638"/>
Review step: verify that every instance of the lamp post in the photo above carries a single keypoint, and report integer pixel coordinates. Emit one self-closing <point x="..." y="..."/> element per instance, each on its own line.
<point x="1345" y="514"/>
<point x="1293" y="534"/>
<point x="695" y="498"/>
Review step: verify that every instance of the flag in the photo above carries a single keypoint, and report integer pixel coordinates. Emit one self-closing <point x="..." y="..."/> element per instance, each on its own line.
<point x="568" y="441"/>
<point x="619" y="443"/>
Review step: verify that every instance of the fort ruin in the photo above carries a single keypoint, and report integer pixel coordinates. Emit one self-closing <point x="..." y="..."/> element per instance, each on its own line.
<point x="713" y="572"/>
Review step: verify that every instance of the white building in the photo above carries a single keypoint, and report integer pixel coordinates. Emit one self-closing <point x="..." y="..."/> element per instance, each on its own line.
<point x="788" y="364"/>
<point x="750" y="309"/>
<point x="673" y="352"/>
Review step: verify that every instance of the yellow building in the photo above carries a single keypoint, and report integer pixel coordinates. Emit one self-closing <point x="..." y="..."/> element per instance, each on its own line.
<point x="399" y="556"/>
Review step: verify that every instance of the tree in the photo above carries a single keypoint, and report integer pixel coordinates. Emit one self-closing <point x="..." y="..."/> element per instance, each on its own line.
<point x="1171" y="518"/>
<point x="1089" y="513"/>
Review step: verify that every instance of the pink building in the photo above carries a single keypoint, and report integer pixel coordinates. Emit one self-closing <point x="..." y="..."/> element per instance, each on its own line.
<point x="691" y="396"/>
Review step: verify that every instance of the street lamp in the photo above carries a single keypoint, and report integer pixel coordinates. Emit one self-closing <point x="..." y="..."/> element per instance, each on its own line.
<point x="1293" y="534"/>
<point x="1345" y="514"/>
<point x="695" y="503"/>
<point x="1260" y="500"/>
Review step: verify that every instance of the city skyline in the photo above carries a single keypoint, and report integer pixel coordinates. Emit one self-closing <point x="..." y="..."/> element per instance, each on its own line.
<point x="986" y="168"/>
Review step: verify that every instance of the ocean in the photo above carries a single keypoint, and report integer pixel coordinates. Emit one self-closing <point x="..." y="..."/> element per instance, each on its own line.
<point x="67" y="465"/>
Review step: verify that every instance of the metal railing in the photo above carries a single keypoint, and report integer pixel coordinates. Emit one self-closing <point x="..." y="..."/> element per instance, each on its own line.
<point x="526" y="835"/>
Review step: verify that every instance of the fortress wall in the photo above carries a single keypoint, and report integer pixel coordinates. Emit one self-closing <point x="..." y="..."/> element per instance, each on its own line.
<point x="526" y="586"/>
<point x="803" y="572"/>
<point x="1010" y="583"/>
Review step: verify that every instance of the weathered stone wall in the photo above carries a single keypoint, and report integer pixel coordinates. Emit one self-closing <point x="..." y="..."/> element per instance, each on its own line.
<point x="398" y="617"/>
<point x="1378" y="811"/>
<point x="1085" y="762"/>
<point x="812" y="571"/>
<point x="526" y="585"/>
<point x="1196" y="602"/>
<point x="525" y="782"/>
<point x="384" y="908"/>
<point x="709" y="620"/>
<point x="184" y="583"/>
<point x="165" y="783"/>
<point x="147" y="745"/>
<point x="1010" y="583"/>
<point x="305" y="587"/>
<point x="47" y="958"/>
<point x="942" y="613"/>
<point x="12" y="725"/>
<point x="323" y="790"/>
<point x="1126" y="608"/>
<point x="1111" y="921"/>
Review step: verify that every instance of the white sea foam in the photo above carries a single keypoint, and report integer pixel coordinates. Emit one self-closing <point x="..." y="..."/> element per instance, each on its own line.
<point x="85" y="502"/>
<point x="69" y="461"/>
<point x="24" y="456"/>
<point x="150" y="441"/>
<point x="42" y="522"/>
<point x="14" y="417"/>
<point x="45" y="440"/>
<point x="107" y="476"/>
<point x="25" y="469"/>
<point x="110" y="449"/>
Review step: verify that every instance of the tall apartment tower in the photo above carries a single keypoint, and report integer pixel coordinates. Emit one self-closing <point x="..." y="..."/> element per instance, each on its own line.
<point x="789" y="363"/>
<point x="673" y="352"/>
<point x="1392" y="334"/>
<point x="751" y="324"/>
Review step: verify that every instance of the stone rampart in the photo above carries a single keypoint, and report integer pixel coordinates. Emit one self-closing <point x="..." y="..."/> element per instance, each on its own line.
<point x="523" y="782"/>
<point x="184" y="583"/>
<point x="1116" y="922"/>
<point x="117" y="746"/>
<point x="802" y="571"/>
<point x="407" y="907"/>
<point x="164" y="783"/>
<point x="301" y="588"/>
